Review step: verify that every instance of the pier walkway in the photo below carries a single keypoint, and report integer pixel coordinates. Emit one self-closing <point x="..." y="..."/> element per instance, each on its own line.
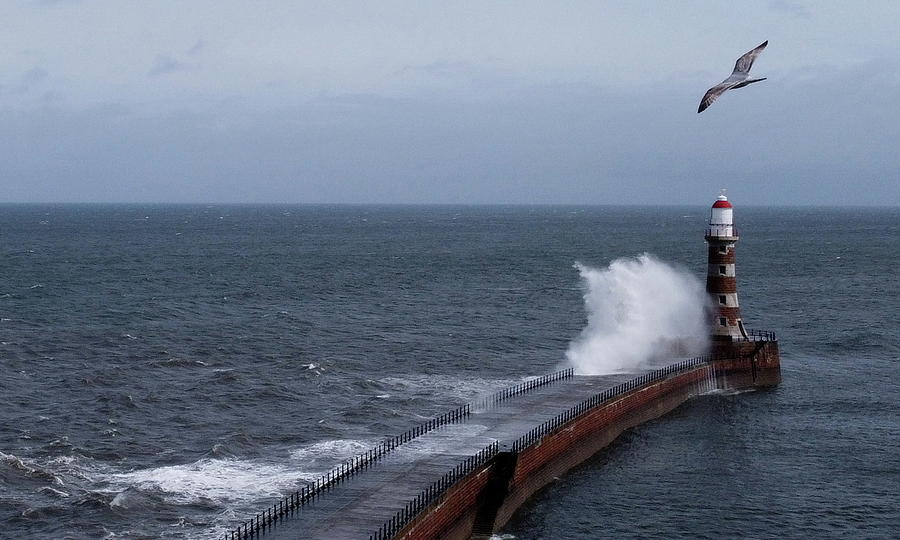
<point x="372" y="495"/>
<point x="463" y="461"/>
<point x="359" y="507"/>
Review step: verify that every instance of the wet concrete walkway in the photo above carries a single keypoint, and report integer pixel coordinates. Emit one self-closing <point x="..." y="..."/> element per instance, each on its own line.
<point x="360" y="505"/>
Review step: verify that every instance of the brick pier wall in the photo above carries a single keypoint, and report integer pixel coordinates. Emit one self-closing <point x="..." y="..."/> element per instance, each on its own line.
<point x="454" y="515"/>
<point x="586" y="435"/>
<point x="475" y="505"/>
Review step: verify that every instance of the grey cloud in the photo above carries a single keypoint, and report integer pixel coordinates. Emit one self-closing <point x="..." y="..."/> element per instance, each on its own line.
<point x="441" y="68"/>
<point x="808" y="141"/>
<point x="54" y="2"/>
<point x="788" y="7"/>
<point x="26" y="83"/>
<point x="196" y="48"/>
<point x="463" y="78"/>
<point x="34" y="75"/>
<point x="165" y="65"/>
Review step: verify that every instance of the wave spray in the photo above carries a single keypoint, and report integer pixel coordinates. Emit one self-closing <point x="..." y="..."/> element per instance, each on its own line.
<point x="640" y="310"/>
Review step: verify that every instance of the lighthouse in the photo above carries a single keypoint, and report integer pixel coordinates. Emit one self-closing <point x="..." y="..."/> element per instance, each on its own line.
<point x="721" y="283"/>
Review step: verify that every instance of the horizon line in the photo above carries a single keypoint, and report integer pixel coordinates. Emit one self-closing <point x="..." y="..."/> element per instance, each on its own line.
<point x="431" y="204"/>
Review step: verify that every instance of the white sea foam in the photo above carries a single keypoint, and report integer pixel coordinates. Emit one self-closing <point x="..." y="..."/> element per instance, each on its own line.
<point x="29" y="469"/>
<point x="54" y="492"/>
<point x="217" y="479"/>
<point x="228" y="479"/>
<point x="460" y="389"/>
<point x="332" y="452"/>
<point x="639" y="310"/>
<point x="729" y="391"/>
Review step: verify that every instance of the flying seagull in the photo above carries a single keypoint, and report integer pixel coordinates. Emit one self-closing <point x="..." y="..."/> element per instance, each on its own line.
<point x="739" y="78"/>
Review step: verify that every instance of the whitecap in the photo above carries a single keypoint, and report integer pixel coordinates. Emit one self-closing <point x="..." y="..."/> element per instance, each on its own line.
<point x="226" y="479"/>
<point x="36" y="471"/>
<point x="218" y="479"/>
<point x="331" y="451"/>
<point x="728" y="391"/>
<point x="55" y="492"/>
<point x="119" y="500"/>
<point x="459" y="389"/>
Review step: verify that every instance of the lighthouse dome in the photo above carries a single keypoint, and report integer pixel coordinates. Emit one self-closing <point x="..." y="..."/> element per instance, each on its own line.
<point x="721" y="217"/>
<point x="721" y="202"/>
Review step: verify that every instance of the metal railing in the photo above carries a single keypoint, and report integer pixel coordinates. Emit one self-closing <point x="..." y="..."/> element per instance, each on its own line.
<point x="523" y="387"/>
<point x="290" y="504"/>
<point x="609" y="394"/>
<point x="760" y="335"/>
<point x="305" y="495"/>
<point x="716" y="233"/>
<point x="433" y="493"/>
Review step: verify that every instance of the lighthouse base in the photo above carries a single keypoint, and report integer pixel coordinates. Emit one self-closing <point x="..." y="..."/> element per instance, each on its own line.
<point x="747" y="363"/>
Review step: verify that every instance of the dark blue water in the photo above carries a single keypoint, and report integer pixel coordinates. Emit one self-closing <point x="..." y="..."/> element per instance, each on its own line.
<point x="169" y="370"/>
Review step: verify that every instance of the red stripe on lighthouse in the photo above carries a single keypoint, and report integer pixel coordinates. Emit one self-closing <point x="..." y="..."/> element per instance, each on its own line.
<point x="721" y="204"/>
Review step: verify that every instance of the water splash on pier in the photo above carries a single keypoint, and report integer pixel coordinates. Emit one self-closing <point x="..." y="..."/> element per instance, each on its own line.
<point x="639" y="310"/>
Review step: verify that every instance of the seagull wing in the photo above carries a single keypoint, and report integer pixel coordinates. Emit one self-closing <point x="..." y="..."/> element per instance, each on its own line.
<point x="713" y="93"/>
<point x="745" y="62"/>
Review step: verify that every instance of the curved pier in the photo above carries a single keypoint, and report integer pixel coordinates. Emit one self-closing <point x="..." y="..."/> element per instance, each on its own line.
<point x="466" y="472"/>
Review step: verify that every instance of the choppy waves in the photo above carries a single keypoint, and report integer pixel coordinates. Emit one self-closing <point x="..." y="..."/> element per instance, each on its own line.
<point x="167" y="377"/>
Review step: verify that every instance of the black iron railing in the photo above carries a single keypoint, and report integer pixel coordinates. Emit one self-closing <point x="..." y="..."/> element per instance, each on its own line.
<point x="760" y="335"/>
<point x="717" y="233"/>
<point x="523" y="387"/>
<point x="566" y="416"/>
<point x="340" y="474"/>
<point x="433" y="493"/>
<point x="295" y="501"/>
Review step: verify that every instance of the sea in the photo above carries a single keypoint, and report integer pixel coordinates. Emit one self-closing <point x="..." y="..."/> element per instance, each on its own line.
<point x="166" y="371"/>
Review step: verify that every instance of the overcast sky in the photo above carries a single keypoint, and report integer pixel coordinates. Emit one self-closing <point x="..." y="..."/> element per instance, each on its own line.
<point x="447" y="102"/>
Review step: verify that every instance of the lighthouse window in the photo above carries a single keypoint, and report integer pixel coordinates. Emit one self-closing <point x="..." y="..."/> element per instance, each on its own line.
<point x="722" y="299"/>
<point x="722" y="270"/>
<point x="723" y="249"/>
<point x="722" y="321"/>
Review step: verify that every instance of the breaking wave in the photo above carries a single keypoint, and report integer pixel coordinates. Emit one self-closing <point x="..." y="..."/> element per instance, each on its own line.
<point x="640" y="310"/>
<point x="231" y="479"/>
